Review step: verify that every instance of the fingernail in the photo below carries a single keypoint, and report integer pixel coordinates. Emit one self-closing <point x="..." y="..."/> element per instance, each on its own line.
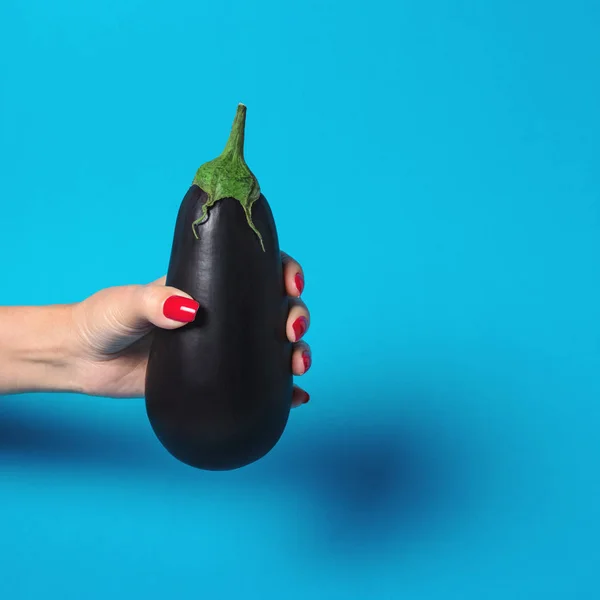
<point x="306" y="359"/>
<point x="299" y="281"/>
<point x="299" y="327"/>
<point x="306" y="398"/>
<point x="180" y="308"/>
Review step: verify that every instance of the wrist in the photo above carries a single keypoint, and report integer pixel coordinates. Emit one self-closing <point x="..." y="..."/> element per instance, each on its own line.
<point x="36" y="349"/>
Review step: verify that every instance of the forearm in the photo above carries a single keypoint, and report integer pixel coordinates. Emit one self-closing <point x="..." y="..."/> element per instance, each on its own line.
<point x="35" y="349"/>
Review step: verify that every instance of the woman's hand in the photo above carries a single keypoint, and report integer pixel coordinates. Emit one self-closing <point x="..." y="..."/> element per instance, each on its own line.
<point x="112" y="333"/>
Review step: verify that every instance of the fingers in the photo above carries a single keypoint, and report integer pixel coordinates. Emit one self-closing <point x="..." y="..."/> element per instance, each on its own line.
<point x="298" y="318"/>
<point x="298" y="321"/>
<point x="299" y="397"/>
<point x="301" y="361"/>
<point x="301" y="358"/>
<point x="297" y="325"/>
<point x="293" y="275"/>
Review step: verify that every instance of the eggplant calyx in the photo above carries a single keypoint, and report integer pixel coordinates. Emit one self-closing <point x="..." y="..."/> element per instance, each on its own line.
<point x="228" y="176"/>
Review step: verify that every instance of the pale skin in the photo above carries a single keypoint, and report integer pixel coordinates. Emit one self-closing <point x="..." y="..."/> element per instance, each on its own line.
<point x="99" y="346"/>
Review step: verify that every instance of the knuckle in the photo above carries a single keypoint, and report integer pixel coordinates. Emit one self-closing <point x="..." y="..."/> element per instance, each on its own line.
<point x="153" y="297"/>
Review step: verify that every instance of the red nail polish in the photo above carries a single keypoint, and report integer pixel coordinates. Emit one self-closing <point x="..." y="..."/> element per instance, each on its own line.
<point x="306" y="359"/>
<point x="180" y="309"/>
<point x="306" y="398"/>
<point x="299" y="281"/>
<point x="299" y="327"/>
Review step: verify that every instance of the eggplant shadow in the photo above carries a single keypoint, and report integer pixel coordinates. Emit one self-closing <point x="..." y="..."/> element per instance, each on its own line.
<point x="366" y="480"/>
<point x="376" y="481"/>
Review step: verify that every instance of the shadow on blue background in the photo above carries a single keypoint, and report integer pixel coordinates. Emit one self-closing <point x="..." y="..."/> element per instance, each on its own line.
<point x="369" y="479"/>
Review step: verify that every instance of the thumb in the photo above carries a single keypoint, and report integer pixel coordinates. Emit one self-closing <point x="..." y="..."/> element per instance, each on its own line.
<point x="160" y="305"/>
<point x="116" y="317"/>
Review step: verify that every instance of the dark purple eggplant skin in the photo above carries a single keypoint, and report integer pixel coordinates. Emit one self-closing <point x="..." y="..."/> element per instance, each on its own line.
<point x="219" y="389"/>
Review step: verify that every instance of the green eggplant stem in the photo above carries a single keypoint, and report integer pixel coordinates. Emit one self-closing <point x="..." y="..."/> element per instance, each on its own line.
<point x="228" y="176"/>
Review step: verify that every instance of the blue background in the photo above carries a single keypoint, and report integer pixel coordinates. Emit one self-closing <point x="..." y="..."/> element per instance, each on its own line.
<point x="434" y="167"/>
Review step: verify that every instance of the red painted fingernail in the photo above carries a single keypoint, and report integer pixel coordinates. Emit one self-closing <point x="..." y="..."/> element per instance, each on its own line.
<point x="299" y="281"/>
<point x="180" y="309"/>
<point x="306" y="398"/>
<point x="306" y="359"/>
<point x="299" y="327"/>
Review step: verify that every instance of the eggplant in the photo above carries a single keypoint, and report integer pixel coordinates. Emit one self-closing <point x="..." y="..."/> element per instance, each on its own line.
<point x="219" y="389"/>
